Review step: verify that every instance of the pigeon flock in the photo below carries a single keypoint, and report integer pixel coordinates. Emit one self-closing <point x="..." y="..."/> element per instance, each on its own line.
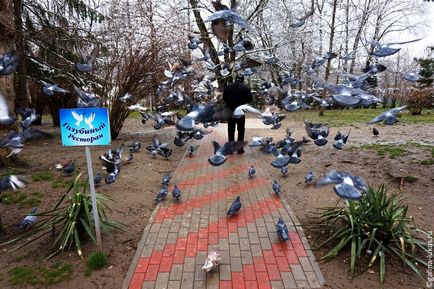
<point x="203" y="108"/>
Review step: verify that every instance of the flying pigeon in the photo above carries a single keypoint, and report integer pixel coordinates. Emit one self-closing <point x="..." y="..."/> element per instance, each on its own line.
<point x="162" y="194"/>
<point x="251" y="171"/>
<point x="191" y="149"/>
<point x="318" y="132"/>
<point x="87" y="64"/>
<point x="86" y="99"/>
<point x="347" y="186"/>
<point x="11" y="182"/>
<point x="212" y="261"/>
<point x="8" y="63"/>
<point x="309" y="177"/>
<point x="375" y="132"/>
<point x="49" y="89"/>
<point x="127" y="97"/>
<point x="229" y="16"/>
<point x="384" y="50"/>
<point x="412" y="76"/>
<point x="15" y="144"/>
<point x="28" y="220"/>
<point x="176" y="192"/>
<point x="5" y="119"/>
<point x="235" y="207"/>
<point x="282" y="230"/>
<point x="298" y="22"/>
<point x="220" y="152"/>
<point x="276" y="187"/>
<point x="340" y="140"/>
<point x="193" y="42"/>
<point x="389" y="117"/>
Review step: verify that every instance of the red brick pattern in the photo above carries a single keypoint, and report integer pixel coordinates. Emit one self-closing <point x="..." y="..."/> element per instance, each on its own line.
<point x="181" y="234"/>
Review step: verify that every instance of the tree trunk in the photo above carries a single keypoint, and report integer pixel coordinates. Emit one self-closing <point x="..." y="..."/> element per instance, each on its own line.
<point x="20" y="80"/>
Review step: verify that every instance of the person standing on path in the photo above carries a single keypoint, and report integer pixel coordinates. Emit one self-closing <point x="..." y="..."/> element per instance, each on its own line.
<point x="234" y="95"/>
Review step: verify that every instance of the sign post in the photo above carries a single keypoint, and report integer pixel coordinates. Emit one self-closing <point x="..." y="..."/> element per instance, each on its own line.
<point x="87" y="127"/>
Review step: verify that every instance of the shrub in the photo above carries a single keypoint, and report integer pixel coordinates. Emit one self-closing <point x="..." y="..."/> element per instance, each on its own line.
<point x="96" y="261"/>
<point x="374" y="227"/>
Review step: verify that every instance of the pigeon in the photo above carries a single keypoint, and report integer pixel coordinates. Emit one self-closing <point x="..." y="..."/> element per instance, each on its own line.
<point x="166" y="179"/>
<point x="251" y="171"/>
<point x="220" y="152"/>
<point x="135" y="147"/>
<point x="284" y="170"/>
<point x="15" y="144"/>
<point x="97" y="179"/>
<point x="130" y="157"/>
<point x="318" y="132"/>
<point x="389" y="117"/>
<point x="298" y="22"/>
<point x="276" y="187"/>
<point x="111" y="178"/>
<point x="127" y="97"/>
<point x="8" y="63"/>
<point x="68" y="168"/>
<point x="5" y="119"/>
<point x="412" y="76"/>
<point x="309" y="177"/>
<point x="162" y="194"/>
<point x="282" y="230"/>
<point x="193" y="42"/>
<point x="212" y="261"/>
<point x="229" y="16"/>
<point x="383" y="50"/>
<point x="191" y="149"/>
<point x="176" y="192"/>
<point x="11" y="182"/>
<point x="49" y="89"/>
<point x="86" y="99"/>
<point x="290" y="153"/>
<point x="28" y="220"/>
<point x="235" y="207"/>
<point x="87" y="64"/>
<point x="375" y="132"/>
<point x="347" y="186"/>
<point x="340" y="140"/>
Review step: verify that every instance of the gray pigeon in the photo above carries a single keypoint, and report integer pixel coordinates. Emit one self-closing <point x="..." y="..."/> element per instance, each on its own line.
<point x="220" y="152"/>
<point x="11" y="182"/>
<point x="389" y="117"/>
<point x="191" y="149"/>
<point x="251" y="172"/>
<point x="28" y="220"/>
<point x="8" y="63"/>
<point x="347" y="186"/>
<point x="86" y="99"/>
<point x="166" y="179"/>
<point x="176" y="192"/>
<point x="235" y="207"/>
<point x="87" y="63"/>
<point x="383" y="50"/>
<point x="229" y="16"/>
<point x="309" y="177"/>
<point x="127" y="97"/>
<point x="340" y="140"/>
<point x="5" y="119"/>
<point x="318" y="132"/>
<point x="162" y="194"/>
<point x="276" y="187"/>
<point x="284" y="171"/>
<point x="49" y="89"/>
<point x="282" y="230"/>
<point x="97" y="179"/>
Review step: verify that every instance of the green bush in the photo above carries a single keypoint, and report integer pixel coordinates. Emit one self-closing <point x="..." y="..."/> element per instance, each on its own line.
<point x="374" y="227"/>
<point x="96" y="261"/>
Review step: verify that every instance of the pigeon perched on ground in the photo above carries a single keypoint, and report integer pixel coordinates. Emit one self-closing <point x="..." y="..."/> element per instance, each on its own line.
<point x="28" y="220"/>
<point x="235" y="207"/>
<point x="68" y="168"/>
<point x="340" y="140"/>
<point x="282" y="230"/>
<point x="97" y="179"/>
<point x="191" y="149"/>
<point x="135" y="147"/>
<point x="251" y="172"/>
<point x="212" y="261"/>
<point x="49" y="89"/>
<point x="162" y="194"/>
<point x="284" y="171"/>
<point x="309" y="177"/>
<point x="166" y="179"/>
<point x="8" y="63"/>
<point x="11" y="182"/>
<point x="388" y="117"/>
<point x="375" y="132"/>
<point x="159" y="148"/>
<point x="348" y="187"/>
<point x="87" y="64"/>
<point x="276" y="187"/>
<point x="176" y="192"/>
<point x="318" y="132"/>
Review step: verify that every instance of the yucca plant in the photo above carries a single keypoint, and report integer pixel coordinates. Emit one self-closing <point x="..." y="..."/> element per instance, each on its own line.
<point x="374" y="228"/>
<point x="70" y="221"/>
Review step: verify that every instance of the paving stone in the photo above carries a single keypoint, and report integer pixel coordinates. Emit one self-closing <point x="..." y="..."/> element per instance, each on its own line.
<point x="176" y="273"/>
<point x="174" y="285"/>
<point x="288" y="280"/>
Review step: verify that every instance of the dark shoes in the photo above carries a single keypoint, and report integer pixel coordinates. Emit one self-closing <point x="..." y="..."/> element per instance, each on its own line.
<point x="240" y="151"/>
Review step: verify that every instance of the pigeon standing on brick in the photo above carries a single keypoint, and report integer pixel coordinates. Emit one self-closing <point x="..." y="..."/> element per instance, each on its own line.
<point x="282" y="230"/>
<point x="176" y="192"/>
<point x="309" y="177"/>
<point x="276" y="187"/>
<point x="28" y="220"/>
<point x="235" y="207"/>
<point x="251" y="171"/>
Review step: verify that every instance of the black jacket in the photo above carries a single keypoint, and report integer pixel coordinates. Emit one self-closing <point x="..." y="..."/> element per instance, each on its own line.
<point x="236" y="94"/>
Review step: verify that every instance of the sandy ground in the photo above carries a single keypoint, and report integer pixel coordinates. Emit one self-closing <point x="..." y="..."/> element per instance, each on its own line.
<point x="134" y="194"/>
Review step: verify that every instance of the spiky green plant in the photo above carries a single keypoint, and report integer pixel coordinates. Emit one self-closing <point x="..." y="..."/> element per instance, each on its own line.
<point x="375" y="227"/>
<point x="70" y="221"/>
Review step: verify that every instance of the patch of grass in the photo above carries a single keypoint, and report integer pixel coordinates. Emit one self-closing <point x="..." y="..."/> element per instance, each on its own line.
<point x="411" y="179"/>
<point x="61" y="183"/>
<point x="54" y="274"/>
<point x="42" y="176"/>
<point x="96" y="261"/>
<point x="21" y="198"/>
<point x="23" y="275"/>
<point x="392" y="150"/>
<point x="427" y="162"/>
<point x="11" y="171"/>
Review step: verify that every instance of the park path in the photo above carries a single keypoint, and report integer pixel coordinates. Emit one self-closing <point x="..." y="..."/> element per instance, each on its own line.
<point x="179" y="235"/>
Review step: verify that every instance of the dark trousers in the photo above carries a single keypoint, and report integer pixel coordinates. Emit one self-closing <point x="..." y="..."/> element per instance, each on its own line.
<point x="241" y="124"/>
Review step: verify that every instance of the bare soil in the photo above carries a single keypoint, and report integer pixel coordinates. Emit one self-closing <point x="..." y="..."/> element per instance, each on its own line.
<point x="134" y="192"/>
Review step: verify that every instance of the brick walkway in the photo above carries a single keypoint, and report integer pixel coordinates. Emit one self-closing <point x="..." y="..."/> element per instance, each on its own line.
<point x="178" y="237"/>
